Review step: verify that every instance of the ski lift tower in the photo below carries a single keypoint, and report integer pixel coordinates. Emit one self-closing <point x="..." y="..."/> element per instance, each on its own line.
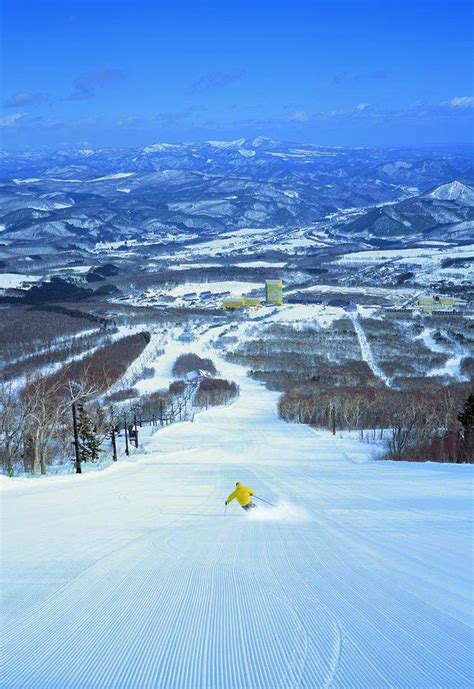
<point x="274" y="292"/>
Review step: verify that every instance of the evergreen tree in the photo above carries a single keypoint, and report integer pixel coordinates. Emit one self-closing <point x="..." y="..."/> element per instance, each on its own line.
<point x="466" y="419"/>
<point x="89" y="444"/>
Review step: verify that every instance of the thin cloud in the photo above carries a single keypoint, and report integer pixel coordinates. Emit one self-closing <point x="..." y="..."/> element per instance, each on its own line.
<point x="460" y="102"/>
<point x="23" y="120"/>
<point x="458" y="107"/>
<point x="23" y="99"/>
<point x="362" y="107"/>
<point x="217" y="80"/>
<point x="86" y="85"/>
<point x="16" y="119"/>
<point x="130" y="121"/>
<point x="358" y="110"/>
<point x="299" y="116"/>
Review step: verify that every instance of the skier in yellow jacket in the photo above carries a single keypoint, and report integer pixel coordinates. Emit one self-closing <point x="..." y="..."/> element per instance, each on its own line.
<point x="243" y="496"/>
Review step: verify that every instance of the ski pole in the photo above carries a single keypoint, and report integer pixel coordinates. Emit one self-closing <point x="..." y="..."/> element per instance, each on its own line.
<point x="225" y="510"/>
<point x="268" y="503"/>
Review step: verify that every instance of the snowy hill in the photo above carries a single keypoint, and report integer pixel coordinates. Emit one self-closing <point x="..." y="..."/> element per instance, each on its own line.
<point x="420" y="216"/>
<point x="454" y="191"/>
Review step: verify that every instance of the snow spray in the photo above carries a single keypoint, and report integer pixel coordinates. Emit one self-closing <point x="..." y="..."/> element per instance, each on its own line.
<point x="282" y="512"/>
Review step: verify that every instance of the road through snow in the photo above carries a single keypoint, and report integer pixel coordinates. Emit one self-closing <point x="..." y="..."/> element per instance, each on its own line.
<point x="133" y="577"/>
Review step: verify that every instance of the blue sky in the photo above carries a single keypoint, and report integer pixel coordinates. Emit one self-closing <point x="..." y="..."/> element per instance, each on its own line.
<point x="353" y="72"/>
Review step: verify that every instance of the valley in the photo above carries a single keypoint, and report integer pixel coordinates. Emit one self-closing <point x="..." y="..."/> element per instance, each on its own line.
<point x="374" y="248"/>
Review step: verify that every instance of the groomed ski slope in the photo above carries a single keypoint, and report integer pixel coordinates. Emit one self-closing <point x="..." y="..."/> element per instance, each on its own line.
<point x="366" y="350"/>
<point x="133" y="577"/>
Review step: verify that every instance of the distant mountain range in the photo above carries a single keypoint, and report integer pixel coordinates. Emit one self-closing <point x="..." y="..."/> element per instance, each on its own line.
<point x="445" y="212"/>
<point x="82" y="196"/>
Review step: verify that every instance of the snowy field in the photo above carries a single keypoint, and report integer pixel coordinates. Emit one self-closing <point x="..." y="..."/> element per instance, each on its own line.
<point x="245" y="241"/>
<point x="16" y="280"/>
<point x="233" y="286"/>
<point x="133" y="577"/>
<point x="407" y="255"/>
<point x="429" y="261"/>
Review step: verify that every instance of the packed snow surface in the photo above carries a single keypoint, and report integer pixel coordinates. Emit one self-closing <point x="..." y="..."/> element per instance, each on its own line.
<point x="366" y="350"/>
<point x="133" y="577"/>
<point x="307" y="314"/>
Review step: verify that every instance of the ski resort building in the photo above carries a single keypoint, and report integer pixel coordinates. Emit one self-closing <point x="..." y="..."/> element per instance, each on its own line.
<point x="274" y="292"/>
<point x="232" y="303"/>
<point x="252" y="302"/>
<point x="273" y="296"/>
<point x="242" y="302"/>
<point x="440" y="304"/>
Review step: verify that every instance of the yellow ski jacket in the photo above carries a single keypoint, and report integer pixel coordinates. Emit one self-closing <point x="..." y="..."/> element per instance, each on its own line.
<point x="242" y="493"/>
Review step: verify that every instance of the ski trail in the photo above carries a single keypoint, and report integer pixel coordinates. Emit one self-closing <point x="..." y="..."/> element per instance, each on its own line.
<point x="360" y="578"/>
<point x="456" y="354"/>
<point x="366" y="350"/>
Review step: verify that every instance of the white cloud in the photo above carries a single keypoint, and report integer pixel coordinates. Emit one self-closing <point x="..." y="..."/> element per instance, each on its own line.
<point x="14" y="120"/>
<point x="461" y="102"/>
<point x="299" y="116"/>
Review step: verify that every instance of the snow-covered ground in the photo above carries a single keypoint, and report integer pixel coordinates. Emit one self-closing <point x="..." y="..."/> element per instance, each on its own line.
<point x="233" y="286"/>
<point x="16" y="280"/>
<point x="407" y="255"/>
<point x="134" y="576"/>
<point x="428" y="261"/>
<point x="366" y="350"/>
<point x="262" y="264"/>
<point x="245" y="241"/>
<point x="389" y="292"/>
<point x="456" y="354"/>
<point x="300" y="315"/>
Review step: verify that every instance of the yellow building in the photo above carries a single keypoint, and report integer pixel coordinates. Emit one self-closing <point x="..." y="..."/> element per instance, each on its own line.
<point x="446" y="301"/>
<point x="252" y="302"/>
<point x="242" y="302"/>
<point x="440" y="304"/>
<point x="233" y="303"/>
<point x="274" y="292"/>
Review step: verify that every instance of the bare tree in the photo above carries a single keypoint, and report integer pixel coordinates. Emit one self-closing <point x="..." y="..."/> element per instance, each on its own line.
<point x="12" y="417"/>
<point x="47" y="412"/>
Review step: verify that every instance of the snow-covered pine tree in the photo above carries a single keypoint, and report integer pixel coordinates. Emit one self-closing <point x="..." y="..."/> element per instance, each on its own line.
<point x="89" y="443"/>
<point x="466" y="419"/>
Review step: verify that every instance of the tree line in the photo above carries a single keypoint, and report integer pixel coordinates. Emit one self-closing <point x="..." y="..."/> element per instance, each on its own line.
<point x="66" y="415"/>
<point x="430" y="423"/>
<point x="35" y="421"/>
